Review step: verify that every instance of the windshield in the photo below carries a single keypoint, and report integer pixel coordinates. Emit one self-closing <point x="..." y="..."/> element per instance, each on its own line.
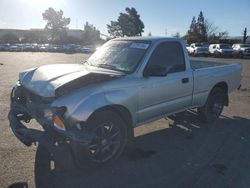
<point x="201" y="44"/>
<point x="198" y="45"/>
<point x="204" y="44"/>
<point x="225" y="46"/>
<point x="121" y="56"/>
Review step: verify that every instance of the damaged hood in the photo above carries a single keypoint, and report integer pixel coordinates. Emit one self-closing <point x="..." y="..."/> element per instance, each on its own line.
<point x="58" y="79"/>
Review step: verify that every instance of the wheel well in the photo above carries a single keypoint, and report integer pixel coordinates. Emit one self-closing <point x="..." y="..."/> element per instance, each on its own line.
<point x="124" y="113"/>
<point x="224" y="87"/>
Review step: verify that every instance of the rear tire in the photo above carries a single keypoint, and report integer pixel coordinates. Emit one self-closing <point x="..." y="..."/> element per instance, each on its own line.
<point x="213" y="108"/>
<point x="110" y="139"/>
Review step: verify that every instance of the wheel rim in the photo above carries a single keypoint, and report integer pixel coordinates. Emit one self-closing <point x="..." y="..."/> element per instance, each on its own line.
<point x="106" y="142"/>
<point x="216" y="107"/>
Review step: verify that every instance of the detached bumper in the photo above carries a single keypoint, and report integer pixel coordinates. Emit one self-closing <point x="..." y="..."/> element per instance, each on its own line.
<point x="28" y="135"/>
<point x="25" y="135"/>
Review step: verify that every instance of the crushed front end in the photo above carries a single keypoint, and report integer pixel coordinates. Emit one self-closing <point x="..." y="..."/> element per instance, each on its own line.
<point x="26" y="105"/>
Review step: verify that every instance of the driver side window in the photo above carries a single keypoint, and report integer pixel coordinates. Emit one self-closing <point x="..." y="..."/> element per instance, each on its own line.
<point x="169" y="55"/>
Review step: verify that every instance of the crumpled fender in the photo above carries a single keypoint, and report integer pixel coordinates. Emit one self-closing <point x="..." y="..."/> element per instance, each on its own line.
<point x="81" y="109"/>
<point x="86" y="107"/>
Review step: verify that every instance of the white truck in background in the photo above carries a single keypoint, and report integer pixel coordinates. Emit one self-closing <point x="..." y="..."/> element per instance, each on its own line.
<point x="242" y="50"/>
<point x="221" y="50"/>
<point x="196" y="49"/>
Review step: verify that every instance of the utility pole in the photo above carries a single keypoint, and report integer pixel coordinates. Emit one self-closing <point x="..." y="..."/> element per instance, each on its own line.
<point x="245" y="36"/>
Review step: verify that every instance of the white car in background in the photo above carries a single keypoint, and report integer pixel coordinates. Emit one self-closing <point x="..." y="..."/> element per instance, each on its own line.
<point x="198" y="49"/>
<point x="242" y="50"/>
<point x="221" y="50"/>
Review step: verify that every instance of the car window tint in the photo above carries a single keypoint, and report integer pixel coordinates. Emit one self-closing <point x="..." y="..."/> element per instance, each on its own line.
<point x="169" y="55"/>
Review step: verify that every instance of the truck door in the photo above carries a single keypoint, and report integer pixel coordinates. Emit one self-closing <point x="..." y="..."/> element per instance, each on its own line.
<point x="159" y="95"/>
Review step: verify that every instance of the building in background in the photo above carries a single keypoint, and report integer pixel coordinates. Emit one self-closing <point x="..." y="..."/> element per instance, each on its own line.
<point x="90" y="35"/>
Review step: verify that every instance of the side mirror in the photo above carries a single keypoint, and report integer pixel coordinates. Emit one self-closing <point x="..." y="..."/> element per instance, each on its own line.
<point x="155" y="70"/>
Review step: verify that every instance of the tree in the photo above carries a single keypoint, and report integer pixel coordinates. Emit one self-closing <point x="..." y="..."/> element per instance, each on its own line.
<point x="90" y="34"/>
<point x="56" y="24"/>
<point x="192" y="34"/>
<point x="203" y="31"/>
<point x="176" y="35"/>
<point x="150" y="34"/>
<point x="213" y="36"/>
<point x="114" y="29"/>
<point x="197" y="31"/>
<point x="245" y="36"/>
<point x="210" y="28"/>
<point x="193" y="26"/>
<point x="201" y="27"/>
<point x="127" y="24"/>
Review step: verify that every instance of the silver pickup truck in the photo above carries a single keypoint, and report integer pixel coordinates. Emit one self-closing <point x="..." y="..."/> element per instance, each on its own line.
<point x="94" y="106"/>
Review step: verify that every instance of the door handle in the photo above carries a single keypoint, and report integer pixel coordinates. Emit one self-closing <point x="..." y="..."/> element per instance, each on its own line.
<point x="185" y="80"/>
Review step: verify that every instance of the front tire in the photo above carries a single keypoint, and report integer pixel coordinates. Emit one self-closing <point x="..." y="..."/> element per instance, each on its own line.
<point x="109" y="141"/>
<point x="213" y="108"/>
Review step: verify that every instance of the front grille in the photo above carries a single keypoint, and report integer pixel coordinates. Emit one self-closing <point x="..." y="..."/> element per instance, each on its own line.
<point x="35" y="104"/>
<point x="32" y="97"/>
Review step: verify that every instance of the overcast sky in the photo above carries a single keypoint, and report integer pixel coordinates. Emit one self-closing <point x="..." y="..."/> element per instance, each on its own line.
<point x="161" y="17"/>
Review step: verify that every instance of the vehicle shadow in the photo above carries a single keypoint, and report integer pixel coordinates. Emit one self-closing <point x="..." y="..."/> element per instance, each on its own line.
<point x="186" y="154"/>
<point x="19" y="185"/>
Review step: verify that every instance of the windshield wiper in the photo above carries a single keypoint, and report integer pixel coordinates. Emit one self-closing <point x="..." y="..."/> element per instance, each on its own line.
<point x="108" y="66"/>
<point x="86" y="62"/>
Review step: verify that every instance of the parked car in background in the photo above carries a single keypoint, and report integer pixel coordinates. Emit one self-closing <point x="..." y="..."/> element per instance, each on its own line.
<point x="70" y="48"/>
<point x="14" y="48"/>
<point x="5" y="47"/>
<point x="57" y="48"/>
<point x="43" y="47"/>
<point x="198" y="49"/>
<point x="221" y="50"/>
<point x="33" y="47"/>
<point x="2" y="47"/>
<point x="86" y="50"/>
<point x="242" y="50"/>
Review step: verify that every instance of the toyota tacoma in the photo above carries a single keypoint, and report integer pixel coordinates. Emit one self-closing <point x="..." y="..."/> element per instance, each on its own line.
<point x="94" y="106"/>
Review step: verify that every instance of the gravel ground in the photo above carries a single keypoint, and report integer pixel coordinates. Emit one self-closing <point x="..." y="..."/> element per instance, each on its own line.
<point x="178" y="152"/>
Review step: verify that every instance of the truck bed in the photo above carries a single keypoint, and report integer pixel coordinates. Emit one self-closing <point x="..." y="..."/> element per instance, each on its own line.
<point x="207" y="74"/>
<point x="195" y="64"/>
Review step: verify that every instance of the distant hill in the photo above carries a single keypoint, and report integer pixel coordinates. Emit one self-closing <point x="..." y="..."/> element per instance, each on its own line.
<point x="237" y="38"/>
